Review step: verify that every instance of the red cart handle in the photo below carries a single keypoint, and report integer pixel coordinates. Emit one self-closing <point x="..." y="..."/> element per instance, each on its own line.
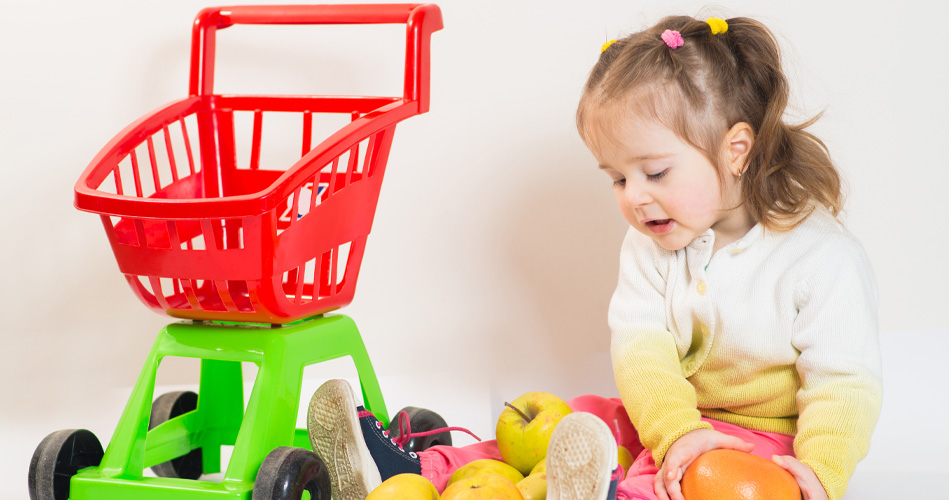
<point x="421" y="21"/>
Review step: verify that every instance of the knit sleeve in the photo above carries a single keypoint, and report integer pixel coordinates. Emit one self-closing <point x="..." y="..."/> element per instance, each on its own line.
<point x="839" y="364"/>
<point x="660" y="402"/>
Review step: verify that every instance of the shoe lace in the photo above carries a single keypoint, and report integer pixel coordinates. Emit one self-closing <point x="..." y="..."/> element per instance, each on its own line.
<point x="406" y="434"/>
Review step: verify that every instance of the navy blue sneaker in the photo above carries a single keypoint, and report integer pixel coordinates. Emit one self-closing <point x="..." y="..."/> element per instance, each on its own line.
<point x="358" y="452"/>
<point x="389" y="453"/>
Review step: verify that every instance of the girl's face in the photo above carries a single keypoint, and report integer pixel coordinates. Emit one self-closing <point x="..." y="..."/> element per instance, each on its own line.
<point x="666" y="188"/>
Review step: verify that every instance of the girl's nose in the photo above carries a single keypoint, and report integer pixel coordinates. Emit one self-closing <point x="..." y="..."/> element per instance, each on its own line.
<point x="635" y="195"/>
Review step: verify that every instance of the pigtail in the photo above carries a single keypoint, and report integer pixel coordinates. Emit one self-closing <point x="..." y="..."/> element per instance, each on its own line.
<point x="789" y="170"/>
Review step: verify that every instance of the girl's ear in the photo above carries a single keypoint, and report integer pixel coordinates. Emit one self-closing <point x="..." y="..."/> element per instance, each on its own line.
<point x="738" y="142"/>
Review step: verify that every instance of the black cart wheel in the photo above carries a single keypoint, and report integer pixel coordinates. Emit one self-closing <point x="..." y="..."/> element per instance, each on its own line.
<point x="58" y="458"/>
<point x="421" y="420"/>
<point x="165" y="408"/>
<point x="287" y="472"/>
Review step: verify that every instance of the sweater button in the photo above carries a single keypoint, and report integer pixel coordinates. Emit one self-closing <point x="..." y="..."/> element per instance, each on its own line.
<point x="700" y="287"/>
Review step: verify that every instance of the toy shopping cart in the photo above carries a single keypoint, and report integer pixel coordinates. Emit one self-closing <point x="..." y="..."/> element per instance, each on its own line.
<point x="253" y="256"/>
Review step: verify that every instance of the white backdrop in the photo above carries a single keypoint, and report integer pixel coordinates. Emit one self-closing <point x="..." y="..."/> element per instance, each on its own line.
<point x="494" y="249"/>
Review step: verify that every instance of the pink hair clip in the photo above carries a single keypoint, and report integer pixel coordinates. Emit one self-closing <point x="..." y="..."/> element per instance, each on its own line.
<point x="672" y="38"/>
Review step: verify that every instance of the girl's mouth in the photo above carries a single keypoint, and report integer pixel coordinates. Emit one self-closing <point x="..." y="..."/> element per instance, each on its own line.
<point x="660" y="226"/>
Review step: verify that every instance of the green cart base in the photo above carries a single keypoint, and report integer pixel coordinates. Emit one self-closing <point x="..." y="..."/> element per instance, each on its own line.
<point x="268" y="423"/>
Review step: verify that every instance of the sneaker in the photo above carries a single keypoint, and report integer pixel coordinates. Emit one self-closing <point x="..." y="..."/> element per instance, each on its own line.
<point x="358" y="451"/>
<point x="582" y="460"/>
<point x="336" y="436"/>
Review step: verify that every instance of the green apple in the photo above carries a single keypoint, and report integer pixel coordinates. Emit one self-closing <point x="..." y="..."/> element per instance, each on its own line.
<point x="525" y="426"/>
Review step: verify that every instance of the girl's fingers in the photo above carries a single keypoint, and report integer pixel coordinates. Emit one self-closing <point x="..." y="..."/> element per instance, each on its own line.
<point x="667" y="482"/>
<point x="811" y="488"/>
<point x="738" y="444"/>
<point x="660" y="486"/>
<point x="673" y="485"/>
<point x="791" y="465"/>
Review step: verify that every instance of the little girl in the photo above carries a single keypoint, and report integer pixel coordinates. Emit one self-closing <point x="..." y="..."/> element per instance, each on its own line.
<point x="745" y="314"/>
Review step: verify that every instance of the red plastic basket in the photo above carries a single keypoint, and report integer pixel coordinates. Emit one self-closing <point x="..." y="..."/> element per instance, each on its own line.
<point x="199" y="236"/>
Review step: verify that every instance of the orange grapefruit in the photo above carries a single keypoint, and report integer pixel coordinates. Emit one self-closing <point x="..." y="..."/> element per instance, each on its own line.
<point x="736" y="475"/>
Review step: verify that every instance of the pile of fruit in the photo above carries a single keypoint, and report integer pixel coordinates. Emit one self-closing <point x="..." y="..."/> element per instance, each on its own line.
<point x="523" y="432"/>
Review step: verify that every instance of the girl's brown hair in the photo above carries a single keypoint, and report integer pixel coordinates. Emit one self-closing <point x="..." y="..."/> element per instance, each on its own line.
<point x="701" y="89"/>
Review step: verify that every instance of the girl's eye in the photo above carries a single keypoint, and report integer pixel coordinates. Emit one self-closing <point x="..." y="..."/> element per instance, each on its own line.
<point x="658" y="175"/>
<point x="619" y="182"/>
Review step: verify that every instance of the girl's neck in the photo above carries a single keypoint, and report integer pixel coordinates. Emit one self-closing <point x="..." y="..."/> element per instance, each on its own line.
<point x="732" y="227"/>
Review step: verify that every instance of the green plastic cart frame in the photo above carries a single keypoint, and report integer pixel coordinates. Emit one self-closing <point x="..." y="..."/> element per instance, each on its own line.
<point x="268" y="423"/>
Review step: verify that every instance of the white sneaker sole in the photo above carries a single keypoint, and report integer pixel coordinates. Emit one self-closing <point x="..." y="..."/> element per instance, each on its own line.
<point x="581" y="458"/>
<point x="337" y="438"/>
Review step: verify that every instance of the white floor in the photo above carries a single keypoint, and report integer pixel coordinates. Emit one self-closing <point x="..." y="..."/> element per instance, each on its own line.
<point x="907" y="459"/>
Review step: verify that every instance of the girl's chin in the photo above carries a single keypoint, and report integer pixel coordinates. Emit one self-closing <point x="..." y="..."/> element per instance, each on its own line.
<point x="671" y="244"/>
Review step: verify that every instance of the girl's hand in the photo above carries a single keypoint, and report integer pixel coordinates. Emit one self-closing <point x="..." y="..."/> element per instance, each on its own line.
<point x="811" y="487"/>
<point x="684" y="451"/>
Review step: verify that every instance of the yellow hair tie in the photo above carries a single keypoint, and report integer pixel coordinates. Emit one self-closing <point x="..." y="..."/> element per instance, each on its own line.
<point x="718" y="25"/>
<point x="606" y="45"/>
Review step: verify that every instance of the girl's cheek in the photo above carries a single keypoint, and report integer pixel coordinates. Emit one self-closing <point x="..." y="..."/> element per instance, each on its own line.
<point x="696" y="200"/>
<point x="681" y="202"/>
<point x="629" y="215"/>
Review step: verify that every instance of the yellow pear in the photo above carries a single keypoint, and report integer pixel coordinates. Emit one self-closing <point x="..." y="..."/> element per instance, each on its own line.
<point x="405" y="487"/>
<point x="534" y="486"/>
